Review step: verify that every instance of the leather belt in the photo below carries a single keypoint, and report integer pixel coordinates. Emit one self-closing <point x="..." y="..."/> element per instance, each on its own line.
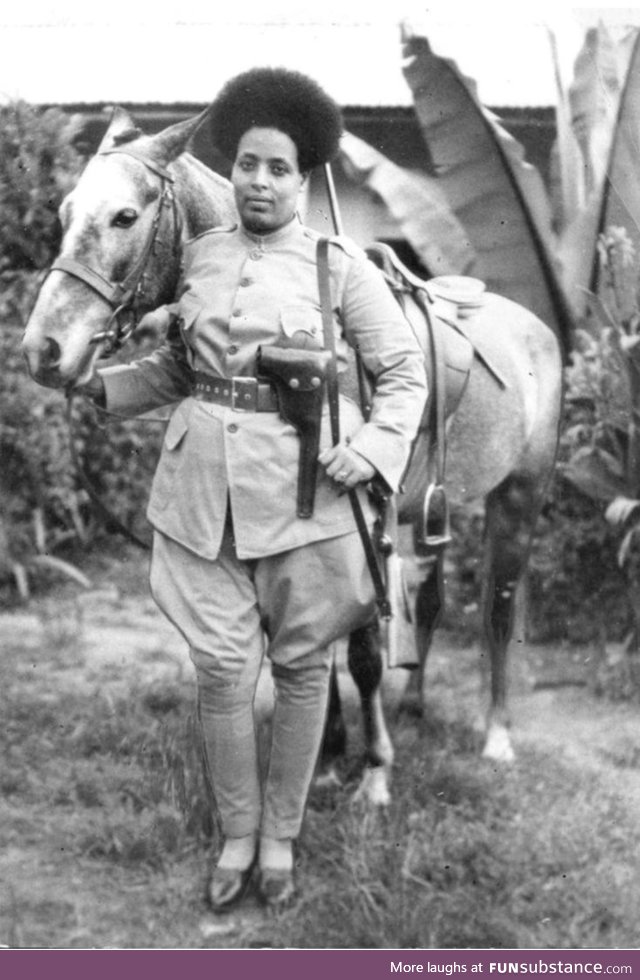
<point x="239" y="393"/>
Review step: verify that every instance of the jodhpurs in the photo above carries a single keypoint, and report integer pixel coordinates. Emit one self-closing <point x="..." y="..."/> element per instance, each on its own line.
<point x="293" y="606"/>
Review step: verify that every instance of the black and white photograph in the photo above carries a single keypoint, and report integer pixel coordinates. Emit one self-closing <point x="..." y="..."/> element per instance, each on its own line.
<point x="320" y="478"/>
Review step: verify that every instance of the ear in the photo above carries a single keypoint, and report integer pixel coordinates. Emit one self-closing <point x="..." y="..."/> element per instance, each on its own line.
<point x="120" y="126"/>
<point x="171" y="142"/>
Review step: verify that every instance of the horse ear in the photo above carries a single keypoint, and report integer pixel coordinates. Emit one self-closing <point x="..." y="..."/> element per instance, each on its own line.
<point x="172" y="141"/>
<point x="120" y="127"/>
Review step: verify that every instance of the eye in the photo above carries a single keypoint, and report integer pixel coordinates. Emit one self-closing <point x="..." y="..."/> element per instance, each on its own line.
<point x="125" y="218"/>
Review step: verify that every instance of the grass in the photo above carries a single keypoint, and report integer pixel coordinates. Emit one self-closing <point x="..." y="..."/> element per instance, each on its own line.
<point x="470" y="857"/>
<point x="105" y="830"/>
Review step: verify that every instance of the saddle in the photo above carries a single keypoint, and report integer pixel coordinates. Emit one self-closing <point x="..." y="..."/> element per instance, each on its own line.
<point x="433" y="310"/>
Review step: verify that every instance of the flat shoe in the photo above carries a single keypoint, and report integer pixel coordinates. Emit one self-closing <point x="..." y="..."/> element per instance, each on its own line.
<point x="277" y="887"/>
<point x="227" y="886"/>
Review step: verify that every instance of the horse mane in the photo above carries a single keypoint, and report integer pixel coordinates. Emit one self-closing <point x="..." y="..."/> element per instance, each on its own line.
<point x="206" y="197"/>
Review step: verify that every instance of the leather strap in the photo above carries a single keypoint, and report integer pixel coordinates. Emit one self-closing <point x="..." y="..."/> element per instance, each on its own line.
<point x="112" y="292"/>
<point x="244" y="394"/>
<point x="143" y="157"/>
<point x="324" y="289"/>
<point x="438" y="384"/>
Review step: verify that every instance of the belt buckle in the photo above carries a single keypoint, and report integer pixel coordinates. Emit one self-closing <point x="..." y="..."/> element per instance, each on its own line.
<point x="244" y="394"/>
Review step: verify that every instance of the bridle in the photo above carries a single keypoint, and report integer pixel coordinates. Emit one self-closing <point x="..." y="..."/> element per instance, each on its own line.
<point x="124" y="297"/>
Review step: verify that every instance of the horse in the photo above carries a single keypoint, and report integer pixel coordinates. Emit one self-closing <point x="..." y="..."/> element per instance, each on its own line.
<point x="138" y="199"/>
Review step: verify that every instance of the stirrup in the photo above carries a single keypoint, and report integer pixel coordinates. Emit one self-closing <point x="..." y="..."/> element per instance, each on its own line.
<point x="436" y="531"/>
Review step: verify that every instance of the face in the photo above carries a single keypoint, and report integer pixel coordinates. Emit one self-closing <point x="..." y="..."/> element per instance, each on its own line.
<point x="266" y="179"/>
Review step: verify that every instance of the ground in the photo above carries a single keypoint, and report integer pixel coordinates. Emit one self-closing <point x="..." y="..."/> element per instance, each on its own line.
<point x="70" y="875"/>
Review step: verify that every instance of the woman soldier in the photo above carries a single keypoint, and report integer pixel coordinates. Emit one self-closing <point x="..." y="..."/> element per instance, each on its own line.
<point x="234" y="566"/>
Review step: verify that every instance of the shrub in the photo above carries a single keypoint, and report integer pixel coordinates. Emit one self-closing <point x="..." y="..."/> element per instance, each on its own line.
<point x="43" y="505"/>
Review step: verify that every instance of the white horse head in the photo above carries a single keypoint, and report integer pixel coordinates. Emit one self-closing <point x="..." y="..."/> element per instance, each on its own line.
<point x="123" y="225"/>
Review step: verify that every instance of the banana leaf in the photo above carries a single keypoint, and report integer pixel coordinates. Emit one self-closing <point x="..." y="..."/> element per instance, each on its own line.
<point x="497" y="196"/>
<point x="621" y="198"/>
<point x="593" y="98"/>
<point x="567" y="174"/>
<point x="415" y="202"/>
<point x="586" y="118"/>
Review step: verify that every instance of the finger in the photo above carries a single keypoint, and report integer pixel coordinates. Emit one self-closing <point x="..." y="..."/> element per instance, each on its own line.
<point x="338" y="464"/>
<point x="327" y="456"/>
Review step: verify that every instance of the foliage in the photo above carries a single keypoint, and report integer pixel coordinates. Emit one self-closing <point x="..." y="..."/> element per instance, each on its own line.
<point x="44" y="508"/>
<point x="602" y="442"/>
<point x="38" y="166"/>
<point x="575" y="589"/>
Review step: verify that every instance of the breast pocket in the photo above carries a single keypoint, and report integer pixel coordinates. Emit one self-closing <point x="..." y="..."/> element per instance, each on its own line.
<point x="303" y="320"/>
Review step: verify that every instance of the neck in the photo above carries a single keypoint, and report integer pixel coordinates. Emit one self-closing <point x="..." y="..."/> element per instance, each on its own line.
<point x="263" y="233"/>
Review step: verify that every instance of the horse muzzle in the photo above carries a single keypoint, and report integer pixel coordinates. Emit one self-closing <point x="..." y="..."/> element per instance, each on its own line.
<point x="43" y="362"/>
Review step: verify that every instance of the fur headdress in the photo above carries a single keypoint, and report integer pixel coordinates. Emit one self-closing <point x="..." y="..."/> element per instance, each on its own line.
<point x="280" y="99"/>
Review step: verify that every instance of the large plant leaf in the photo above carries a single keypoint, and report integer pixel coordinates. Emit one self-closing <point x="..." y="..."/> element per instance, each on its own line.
<point x="593" y="98"/>
<point x="567" y="173"/>
<point x="621" y="198"/>
<point x="417" y="204"/>
<point x="498" y="197"/>
<point x="595" y="474"/>
<point x="586" y="119"/>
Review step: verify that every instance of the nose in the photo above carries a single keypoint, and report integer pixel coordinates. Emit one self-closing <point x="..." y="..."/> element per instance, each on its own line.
<point x="42" y="358"/>
<point x="260" y="177"/>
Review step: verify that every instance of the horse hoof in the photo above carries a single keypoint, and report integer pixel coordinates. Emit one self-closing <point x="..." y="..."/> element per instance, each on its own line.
<point x="498" y="745"/>
<point x="374" y="788"/>
<point x="329" y="779"/>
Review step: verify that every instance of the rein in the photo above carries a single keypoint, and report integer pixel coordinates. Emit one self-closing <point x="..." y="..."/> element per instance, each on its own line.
<point x="124" y="297"/>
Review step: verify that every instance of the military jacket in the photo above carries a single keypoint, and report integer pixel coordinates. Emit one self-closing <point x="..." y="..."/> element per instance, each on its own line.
<point x="241" y="291"/>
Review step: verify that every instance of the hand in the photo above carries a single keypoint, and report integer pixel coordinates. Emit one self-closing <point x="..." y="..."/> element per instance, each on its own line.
<point x="155" y="321"/>
<point x="93" y="389"/>
<point x="345" y="466"/>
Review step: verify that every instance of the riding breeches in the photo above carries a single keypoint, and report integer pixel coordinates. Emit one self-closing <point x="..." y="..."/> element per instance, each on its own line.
<point x="292" y="606"/>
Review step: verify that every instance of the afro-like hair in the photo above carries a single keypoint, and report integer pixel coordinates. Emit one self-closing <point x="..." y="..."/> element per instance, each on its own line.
<point x="280" y="99"/>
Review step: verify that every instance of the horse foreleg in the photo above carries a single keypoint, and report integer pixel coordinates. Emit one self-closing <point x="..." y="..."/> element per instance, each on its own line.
<point x="512" y="509"/>
<point x="365" y="664"/>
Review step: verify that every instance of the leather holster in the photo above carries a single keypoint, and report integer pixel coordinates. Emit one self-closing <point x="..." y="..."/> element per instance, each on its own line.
<point x="299" y="377"/>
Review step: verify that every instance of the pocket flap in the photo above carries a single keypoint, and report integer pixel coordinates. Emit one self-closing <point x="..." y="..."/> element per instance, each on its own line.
<point x="307" y="319"/>
<point x="189" y="309"/>
<point x="175" y="430"/>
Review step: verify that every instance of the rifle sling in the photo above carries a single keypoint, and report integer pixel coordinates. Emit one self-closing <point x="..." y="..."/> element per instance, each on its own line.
<point x="324" y="289"/>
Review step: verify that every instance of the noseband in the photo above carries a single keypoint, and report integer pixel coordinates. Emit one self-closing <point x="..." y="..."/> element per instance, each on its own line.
<point x="124" y="297"/>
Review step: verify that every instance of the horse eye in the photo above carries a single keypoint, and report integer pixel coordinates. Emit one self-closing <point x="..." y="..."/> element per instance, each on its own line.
<point x="125" y="218"/>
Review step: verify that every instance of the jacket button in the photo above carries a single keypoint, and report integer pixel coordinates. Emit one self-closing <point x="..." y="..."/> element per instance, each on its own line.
<point x="246" y="281"/>
<point x="232" y="427"/>
<point x="233" y="349"/>
<point x="255" y="254"/>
